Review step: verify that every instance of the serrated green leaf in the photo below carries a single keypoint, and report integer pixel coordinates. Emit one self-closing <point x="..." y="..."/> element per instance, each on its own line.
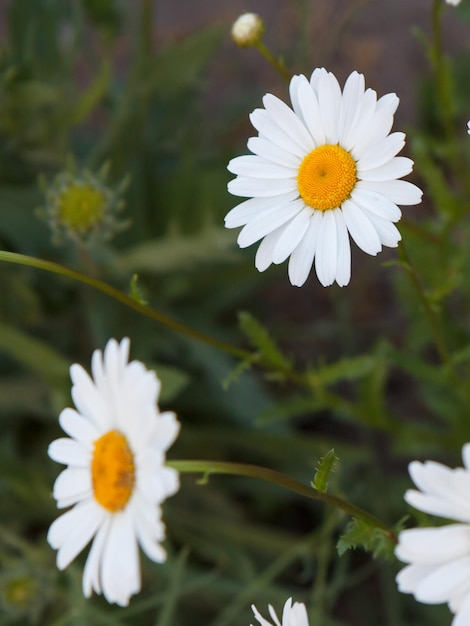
<point x="361" y="534"/>
<point x="344" y="369"/>
<point x="262" y="341"/>
<point x="325" y="466"/>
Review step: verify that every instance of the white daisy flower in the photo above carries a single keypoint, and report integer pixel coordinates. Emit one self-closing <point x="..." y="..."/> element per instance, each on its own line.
<point x="468" y="127"/>
<point x="438" y="559"/>
<point x="453" y="2"/>
<point x="292" y="615"/>
<point x="318" y="172"/>
<point x="116" y="476"/>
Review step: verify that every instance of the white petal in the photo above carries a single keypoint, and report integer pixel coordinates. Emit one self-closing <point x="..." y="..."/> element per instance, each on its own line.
<point x="92" y="570"/>
<point x="73" y="530"/>
<point x="260" y="619"/>
<point x="398" y="191"/>
<point x="381" y="152"/>
<point x="373" y="134"/>
<point x="301" y="259"/>
<point x="343" y="263"/>
<point x="73" y="485"/>
<point x="256" y="167"/>
<point x="307" y="108"/>
<point x="120" y="569"/>
<point x="361" y="120"/>
<point x="264" y="254"/>
<point x="442" y="582"/>
<point x="69" y="452"/>
<point x="77" y="427"/>
<point x="271" y="152"/>
<point x="395" y="168"/>
<point x="260" y="187"/>
<point x="375" y="202"/>
<point x="249" y="209"/>
<point x="269" y="129"/>
<point x="292" y="235"/>
<point x="326" y="254"/>
<point x="286" y="119"/>
<point x="411" y="576"/>
<point x="463" y="616"/>
<point x="89" y="400"/>
<point x="360" y="228"/>
<point x="329" y="99"/>
<point x="466" y="455"/>
<point x="429" y="546"/>
<point x="389" y="101"/>
<point x="388" y="233"/>
<point x="353" y="92"/>
<point x="268" y="221"/>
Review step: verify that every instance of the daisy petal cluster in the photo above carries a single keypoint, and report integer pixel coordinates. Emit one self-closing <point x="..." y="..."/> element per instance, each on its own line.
<point x="116" y="476"/>
<point x="319" y="172"/>
<point x="292" y="615"/>
<point x="438" y="559"/>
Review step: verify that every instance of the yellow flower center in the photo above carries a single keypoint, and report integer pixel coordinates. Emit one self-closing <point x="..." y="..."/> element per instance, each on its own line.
<point x="80" y="207"/>
<point x="112" y="471"/>
<point x="326" y="177"/>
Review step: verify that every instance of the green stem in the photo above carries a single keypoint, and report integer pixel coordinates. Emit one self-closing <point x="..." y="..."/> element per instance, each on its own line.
<point x="276" y="63"/>
<point x="429" y="313"/>
<point x="276" y="478"/>
<point x="443" y="79"/>
<point x="112" y="292"/>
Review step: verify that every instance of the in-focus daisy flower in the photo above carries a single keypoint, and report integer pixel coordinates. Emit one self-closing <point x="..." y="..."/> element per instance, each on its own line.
<point x="323" y="169"/>
<point x="247" y="30"/>
<point x="438" y="559"/>
<point x="116" y="476"/>
<point x="292" y="615"/>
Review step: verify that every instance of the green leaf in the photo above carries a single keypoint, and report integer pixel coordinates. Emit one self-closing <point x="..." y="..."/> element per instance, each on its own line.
<point x="261" y="340"/>
<point x="326" y="465"/>
<point x="344" y="369"/>
<point x="178" y="252"/>
<point x="361" y="534"/>
<point x="34" y="354"/>
<point x="173" y="381"/>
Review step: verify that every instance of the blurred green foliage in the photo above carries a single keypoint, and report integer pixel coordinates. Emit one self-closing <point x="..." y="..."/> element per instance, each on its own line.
<point x="355" y="370"/>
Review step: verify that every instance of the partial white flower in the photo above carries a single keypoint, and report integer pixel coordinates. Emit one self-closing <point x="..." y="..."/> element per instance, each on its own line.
<point x="468" y="127"/>
<point x="116" y="476"/>
<point x="439" y="558"/>
<point x="453" y="2"/>
<point x="319" y="172"/>
<point x="292" y="615"/>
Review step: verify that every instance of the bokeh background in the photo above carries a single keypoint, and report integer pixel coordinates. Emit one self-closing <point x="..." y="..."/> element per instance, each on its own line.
<point x="158" y="90"/>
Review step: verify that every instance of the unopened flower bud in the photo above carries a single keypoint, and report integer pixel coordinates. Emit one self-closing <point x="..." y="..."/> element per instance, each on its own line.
<point x="247" y="30"/>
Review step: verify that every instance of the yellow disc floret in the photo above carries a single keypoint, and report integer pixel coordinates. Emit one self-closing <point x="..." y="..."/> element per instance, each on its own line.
<point x="326" y="177"/>
<point x="81" y="207"/>
<point x="112" y="471"/>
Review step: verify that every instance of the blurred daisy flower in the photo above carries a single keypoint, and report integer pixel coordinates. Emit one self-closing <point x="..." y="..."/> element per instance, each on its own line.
<point x="292" y="615"/>
<point x="468" y="127"/>
<point x="81" y="206"/>
<point x="453" y="2"/>
<point x="438" y="559"/>
<point x="116" y="476"/>
<point x="318" y="172"/>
